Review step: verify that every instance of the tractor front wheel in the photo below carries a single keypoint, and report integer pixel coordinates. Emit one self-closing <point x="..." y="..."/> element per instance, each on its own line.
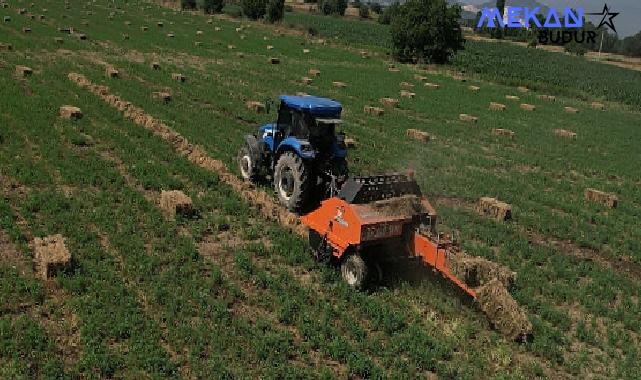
<point x="354" y="271"/>
<point x="292" y="181"/>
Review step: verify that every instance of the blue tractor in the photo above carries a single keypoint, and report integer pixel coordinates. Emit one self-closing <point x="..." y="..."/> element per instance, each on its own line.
<point x="303" y="152"/>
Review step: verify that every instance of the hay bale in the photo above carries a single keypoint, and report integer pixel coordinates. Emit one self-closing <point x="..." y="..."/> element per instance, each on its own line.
<point x="59" y="40"/>
<point x="306" y="51"/>
<point x="571" y="110"/>
<point x="607" y="199"/>
<point x="389" y="102"/>
<point x="198" y="43"/>
<point x="503" y="132"/>
<point x="26" y="30"/>
<point x="273" y="60"/>
<point x="597" y="106"/>
<point x="160" y="24"/>
<point x="432" y="86"/>
<point x="393" y="70"/>
<point x="513" y="98"/>
<point x="418" y="135"/>
<point x="314" y="72"/>
<point x="217" y="28"/>
<point x="494" y="208"/>
<point x="81" y="36"/>
<point x="176" y="202"/>
<point x="155" y="65"/>
<point x="339" y="84"/>
<point x="112" y="72"/>
<point x="144" y="28"/>
<point x="406" y="85"/>
<point x="255" y="106"/>
<point x="474" y="88"/>
<point x="161" y="95"/>
<point x="23" y="71"/>
<point x="407" y="94"/>
<point x="125" y="37"/>
<point x="564" y="133"/>
<point x="5" y="47"/>
<point x="307" y="80"/>
<point x="475" y="271"/>
<point x="231" y="47"/>
<point x="503" y="312"/>
<point x="364" y="54"/>
<point x="171" y="35"/>
<point x="350" y="143"/>
<point x="240" y="55"/>
<point x="7" y="18"/>
<point x="376" y="111"/>
<point x="528" y="107"/>
<point x="459" y="78"/>
<point x="497" y="106"/>
<point x="523" y="89"/>
<point x="468" y="118"/>
<point x="548" y="98"/>
<point x="270" y="47"/>
<point x="50" y="254"/>
<point x="199" y="33"/>
<point x="178" y="77"/>
<point x="70" y="112"/>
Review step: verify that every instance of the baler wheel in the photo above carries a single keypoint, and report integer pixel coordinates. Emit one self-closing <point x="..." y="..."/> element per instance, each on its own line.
<point x="354" y="271"/>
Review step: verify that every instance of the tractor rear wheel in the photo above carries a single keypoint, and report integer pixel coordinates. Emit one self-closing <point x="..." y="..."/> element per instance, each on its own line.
<point x="246" y="164"/>
<point x="354" y="271"/>
<point x="292" y="181"/>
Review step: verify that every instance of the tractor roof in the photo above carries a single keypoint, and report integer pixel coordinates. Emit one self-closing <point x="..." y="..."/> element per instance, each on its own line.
<point x="313" y="104"/>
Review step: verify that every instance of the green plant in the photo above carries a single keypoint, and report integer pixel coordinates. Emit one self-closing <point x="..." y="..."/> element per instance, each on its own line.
<point x="388" y="13"/>
<point x="188" y="4"/>
<point x="427" y="31"/>
<point x="376" y="8"/>
<point x="254" y="9"/>
<point x="275" y="10"/>
<point x="363" y="11"/>
<point x="213" y="6"/>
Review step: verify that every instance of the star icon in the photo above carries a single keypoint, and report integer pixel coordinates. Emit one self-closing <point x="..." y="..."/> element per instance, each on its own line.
<point x="607" y="17"/>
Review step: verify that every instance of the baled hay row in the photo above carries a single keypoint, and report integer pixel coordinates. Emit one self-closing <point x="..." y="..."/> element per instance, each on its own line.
<point x="50" y="254"/>
<point x="418" y="135"/>
<point x="607" y="199"/>
<point x="265" y="203"/>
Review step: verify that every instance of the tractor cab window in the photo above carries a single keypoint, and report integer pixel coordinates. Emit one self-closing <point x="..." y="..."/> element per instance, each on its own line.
<point x="284" y="121"/>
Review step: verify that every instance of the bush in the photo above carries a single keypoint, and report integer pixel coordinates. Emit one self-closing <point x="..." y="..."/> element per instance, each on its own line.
<point x="333" y="7"/>
<point x="289" y="8"/>
<point x="275" y="10"/>
<point x="188" y="4"/>
<point x="388" y="13"/>
<point x="376" y="8"/>
<point x="233" y="10"/>
<point x="213" y="6"/>
<point x="363" y="11"/>
<point x="575" y="48"/>
<point x="254" y="9"/>
<point x="426" y="31"/>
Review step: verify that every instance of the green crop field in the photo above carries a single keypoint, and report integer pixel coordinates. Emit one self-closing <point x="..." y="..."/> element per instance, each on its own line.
<point x="228" y="294"/>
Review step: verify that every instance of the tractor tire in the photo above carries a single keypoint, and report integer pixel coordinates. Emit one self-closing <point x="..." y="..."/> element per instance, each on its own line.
<point x="355" y="271"/>
<point x="292" y="181"/>
<point x="246" y="164"/>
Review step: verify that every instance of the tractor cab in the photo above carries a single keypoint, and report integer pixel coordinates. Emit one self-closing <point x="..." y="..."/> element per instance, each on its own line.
<point x="303" y="151"/>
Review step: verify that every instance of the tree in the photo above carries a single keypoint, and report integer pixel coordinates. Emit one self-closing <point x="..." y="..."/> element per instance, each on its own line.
<point x="333" y="7"/>
<point x="275" y="10"/>
<point x="254" y="9"/>
<point x="575" y="48"/>
<point x="426" y="31"/>
<point x="632" y="45"/>
<point x="363" y="11"/>
<point x="213" y="6"/>
<point x="389" y="13"/>
<point x="188" y="4"/>
<point x="376" y="8"/>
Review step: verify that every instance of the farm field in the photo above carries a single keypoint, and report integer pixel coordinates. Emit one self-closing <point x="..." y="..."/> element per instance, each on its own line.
<point x="230" y="294"/>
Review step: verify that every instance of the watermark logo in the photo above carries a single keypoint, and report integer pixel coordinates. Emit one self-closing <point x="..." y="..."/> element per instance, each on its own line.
<point x="568" y="23"/>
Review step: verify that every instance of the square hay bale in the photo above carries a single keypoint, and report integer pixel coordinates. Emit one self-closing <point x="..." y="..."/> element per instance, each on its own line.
<point x="231" y="47"/>
<point x="5" y="47"/>
<point x="495" y="209"/>
<point x="314" y="72"/>
<point x="59" y="40"/>
<point x="459" y="78"/>
<point x="161" y="95"/>
<point x="155" y="65"/>
<point x="418" y="135"/>
<point x="199" y="33"/>
<point x="7" y="18"/>
<point x="26" y="29"/>
<point x="50" y="254"/>
<point x="306" y="51"/>
<point x="607" y="199"/>
<point x="273" y="60"/>
<point x="597" y="106"/>
<point x="270" y="47"/>
<point x="474" y="88"/>
<point x="339" y="84"/>
<point x="513" y="98"/>
<point x="376" y="111"/>
<point x="171" y="35"/>
<point x="394" y="70"/>
<point x="497" y="106"/>
<point x="389" y="102"/>
<point x="523" y="89"/>
<point x="70" y="112"/>
<point x="350" y="143"/>
<point x="81" y="36"/>
<point x="307" y="80"/>
<point x="468" y="118"/>
<point x="420" y="78"/>
<point x="160" y="24"/>
<point x="571" y="110"/>
<point x="503" y="132"/>
<point x="364" y="54"/>
<point x="125" y="37"/>
<point x="176" y="202"/>
<point x="406" y="85"/>
<point x="217" y="28"/>
<point x="564" y="133"/>
<point x="112" y="72"/>
<point x="407" y="94"/>
<point x="144" y="28"/>
<point x="23" y="71"/>
<point x="65" y="30"/>
<point x="178" y="77"/>
<point x="528" y="107"/>
<point x="258" y="107"/>
<point x="432" y="86"/>
<point x="548" y="98"/>
<point x="240" y="55"/>
<point x="198" y="43"/>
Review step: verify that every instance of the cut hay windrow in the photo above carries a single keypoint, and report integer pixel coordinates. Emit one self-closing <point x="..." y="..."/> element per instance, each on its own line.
<point x="264" y="203"/>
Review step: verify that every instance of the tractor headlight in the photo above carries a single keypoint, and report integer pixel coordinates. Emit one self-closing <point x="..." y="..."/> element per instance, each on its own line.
<point x="380" y="231"/>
